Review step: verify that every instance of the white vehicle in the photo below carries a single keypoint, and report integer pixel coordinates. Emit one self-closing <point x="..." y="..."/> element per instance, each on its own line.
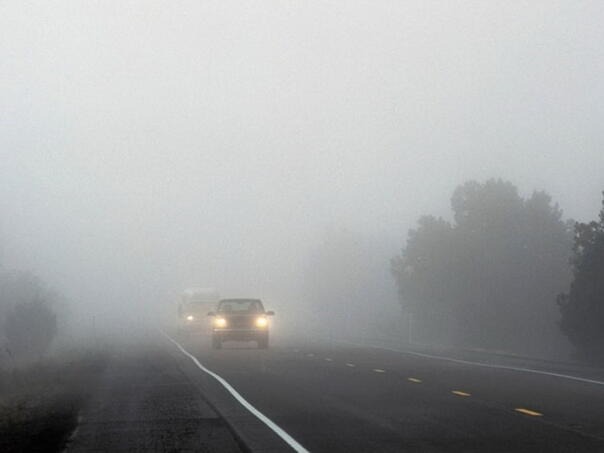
<point x="193" y="307"/>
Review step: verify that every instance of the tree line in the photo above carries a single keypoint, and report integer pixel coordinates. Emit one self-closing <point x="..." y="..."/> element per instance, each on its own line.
<point x="490" y="278"/>
<point x="28" y="322"/>
<point x="582" y="306"/>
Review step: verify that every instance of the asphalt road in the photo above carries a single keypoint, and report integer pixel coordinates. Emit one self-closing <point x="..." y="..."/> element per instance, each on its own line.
<point x="334" y="397"/>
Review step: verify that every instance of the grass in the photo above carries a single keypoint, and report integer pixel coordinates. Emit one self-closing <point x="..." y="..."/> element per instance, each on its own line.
<point x="40" y="402"/>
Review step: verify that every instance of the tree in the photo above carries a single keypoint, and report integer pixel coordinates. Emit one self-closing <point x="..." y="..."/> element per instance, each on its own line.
<point x="487" y="279"/>
<point x="30" y="328"/>
<point x="582" y="307"/>
<point x="346" y="283"/>
<point x="29" y="323"/>
<point x="420" y="269"/>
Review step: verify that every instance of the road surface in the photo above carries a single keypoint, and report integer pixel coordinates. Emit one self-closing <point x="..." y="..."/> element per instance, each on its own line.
<point x="334" y="397"/>
<point x="180" y="395"/>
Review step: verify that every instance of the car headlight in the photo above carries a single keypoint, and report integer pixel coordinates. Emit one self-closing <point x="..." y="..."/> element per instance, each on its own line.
<point x="261" y="322"/>
<point x="190" y="318"/>
<point x="220" y="322"/>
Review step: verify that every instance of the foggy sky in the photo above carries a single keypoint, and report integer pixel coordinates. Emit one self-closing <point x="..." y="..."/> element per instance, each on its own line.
<point x="149" y="146"/>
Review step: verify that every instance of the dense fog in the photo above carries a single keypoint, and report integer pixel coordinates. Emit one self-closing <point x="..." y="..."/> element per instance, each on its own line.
<point x="283" y="150"/>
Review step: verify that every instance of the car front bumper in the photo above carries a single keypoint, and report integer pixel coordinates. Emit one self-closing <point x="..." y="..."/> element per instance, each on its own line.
<point x="239" y="334"/>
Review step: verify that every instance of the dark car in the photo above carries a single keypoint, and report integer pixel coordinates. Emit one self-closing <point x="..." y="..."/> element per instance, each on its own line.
<point x="240" y="320"/>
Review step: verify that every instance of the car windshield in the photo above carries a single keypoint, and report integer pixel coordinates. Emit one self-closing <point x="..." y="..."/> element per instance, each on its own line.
<point x="240" y="306"/>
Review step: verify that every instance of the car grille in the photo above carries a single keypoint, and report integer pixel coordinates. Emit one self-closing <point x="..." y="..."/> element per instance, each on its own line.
<point x="240" y="322"/>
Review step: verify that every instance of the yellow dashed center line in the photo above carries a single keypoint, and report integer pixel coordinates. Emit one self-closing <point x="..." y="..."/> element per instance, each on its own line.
<point x="460" y="393"/>
<point x="416" y="380"/>
<point x="351" y="365"/>
<point x="378" y="370"/>
<point x="327" y="359"/>
<point x="522" y="410"/>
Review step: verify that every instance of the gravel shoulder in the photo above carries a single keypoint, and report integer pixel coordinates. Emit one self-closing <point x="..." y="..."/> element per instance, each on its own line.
<point x="144" y="402"/>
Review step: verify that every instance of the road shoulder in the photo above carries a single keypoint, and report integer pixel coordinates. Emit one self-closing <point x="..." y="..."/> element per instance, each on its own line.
<point x="146" y="403"/>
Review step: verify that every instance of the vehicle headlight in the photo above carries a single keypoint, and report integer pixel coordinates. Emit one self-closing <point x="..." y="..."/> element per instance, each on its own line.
<point x="190" y="318"/>
<point x="220" y="322"/>
<point x="261" y="322"/>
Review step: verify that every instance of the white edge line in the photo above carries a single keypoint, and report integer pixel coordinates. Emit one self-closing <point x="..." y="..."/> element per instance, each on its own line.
<point x="484" y="365"/>
<point x="73" y="435"/>
<point x="263" y="418"/>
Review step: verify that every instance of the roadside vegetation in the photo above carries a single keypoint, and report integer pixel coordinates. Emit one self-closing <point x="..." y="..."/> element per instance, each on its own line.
<point x="40" y="402"/>
<point x="489" y="278"/>
<point x="504" y="273"/>
<point x="41" y="393"/>
<point x="28" y="319"/>
<point x="583" y="305"/>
